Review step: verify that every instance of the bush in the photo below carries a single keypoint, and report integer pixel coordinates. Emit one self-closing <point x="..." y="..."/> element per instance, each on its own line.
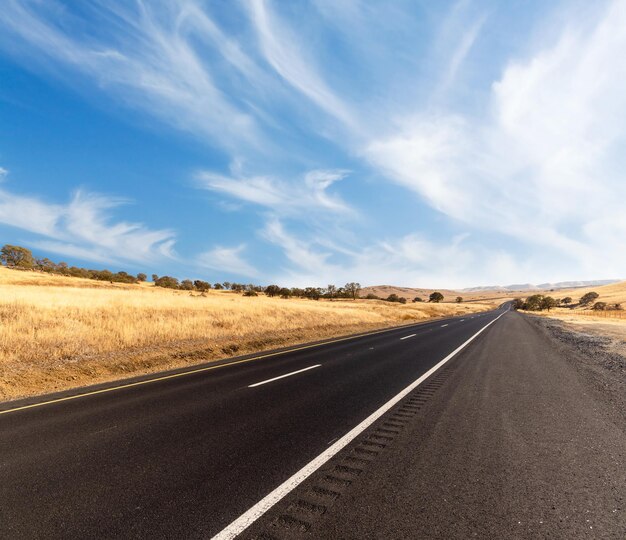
<point x="393" y="298"/>
<point x="250" y="293"/>
<point x="459" y="299"/>
<point x="599" y="306"/>
<point x="372" y="296"/>
<point x="417" y="299"/>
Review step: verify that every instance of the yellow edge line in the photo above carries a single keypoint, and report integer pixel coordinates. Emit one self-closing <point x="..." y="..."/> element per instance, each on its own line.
<point x="199" y="370"/>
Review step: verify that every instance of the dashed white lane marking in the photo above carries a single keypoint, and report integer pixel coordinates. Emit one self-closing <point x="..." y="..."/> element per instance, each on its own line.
<point x="462" y="320"/>
<point x="407" y="337"/>
<point x="283" y="376"/>
<point x="250" y="516"/>
<point x="443" y="325"/>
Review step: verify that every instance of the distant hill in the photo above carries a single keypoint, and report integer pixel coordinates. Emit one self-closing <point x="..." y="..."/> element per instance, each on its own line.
<point x="383" y="291"/>
<point x="542" y="286"/>
<point x="493" y="292"/>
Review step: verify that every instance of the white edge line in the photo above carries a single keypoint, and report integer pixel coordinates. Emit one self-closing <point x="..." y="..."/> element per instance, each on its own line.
<point x="283" y="376"/>
<point x="407" y="337"/>
<point x="443" y="325"/>
<point x="254" y="513"/>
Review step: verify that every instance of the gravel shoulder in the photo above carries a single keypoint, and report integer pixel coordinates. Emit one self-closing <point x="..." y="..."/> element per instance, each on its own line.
<point x="598" y="353"/>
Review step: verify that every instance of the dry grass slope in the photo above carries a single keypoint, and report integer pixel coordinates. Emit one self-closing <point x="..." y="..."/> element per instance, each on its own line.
<point x="611" y="323"/>
<point x="58" y="332"/>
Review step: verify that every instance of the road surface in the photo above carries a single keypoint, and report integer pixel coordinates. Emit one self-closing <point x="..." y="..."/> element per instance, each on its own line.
<point x="483" y="442"/>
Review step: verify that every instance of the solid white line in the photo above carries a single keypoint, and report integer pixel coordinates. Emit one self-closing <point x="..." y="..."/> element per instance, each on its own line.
<point x="443" y="325"/>
<point x="407" y="337"/>
<point x="254" y="513"/>
<point x="283" y="376"/>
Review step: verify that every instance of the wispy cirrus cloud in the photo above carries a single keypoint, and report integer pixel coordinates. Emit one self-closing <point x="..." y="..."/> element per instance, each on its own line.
<point x="227" y="260"/>
<point x="543" y="166"/>
<point x="162" y="58"/>
<point x="283" y="52"/>
<point x="281" y="197"/>
<point x="84" y="228"/>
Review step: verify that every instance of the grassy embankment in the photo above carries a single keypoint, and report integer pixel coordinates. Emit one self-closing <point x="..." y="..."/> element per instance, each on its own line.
<point x="611" y="323"/>
<point x="58" y="332"/>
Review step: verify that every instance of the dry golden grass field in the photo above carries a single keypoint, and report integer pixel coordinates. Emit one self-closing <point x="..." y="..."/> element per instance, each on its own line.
<point x="611" y="323"/>
<point x="58" y="332"/>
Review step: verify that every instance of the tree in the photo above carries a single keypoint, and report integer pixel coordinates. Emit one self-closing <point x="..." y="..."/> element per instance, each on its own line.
<point x="599" y="306"/>
<point x="16" y="256"/>
<point x="566" y="300"/>
<point x="533" y="302"/>
<point x="586" y="299"/>
<point x="201" y="286"/>
<point x="250" y="293"/>
<point x="154" y="278"/>
<point x="372" y="296"/>
<point x="547" y="302"/>
<point x="517" y="303"/>
<point x="45" y="265"/>
<point x="285" y="293"/>
<point x="167" y="281"/>
<point x="312" y="293"/>
<point x="459" y="299"/>
<point x="227" y="285"/>
<point x="141" y="276"/>
<point x="418" y="299"/>
<point x="272" y="290"/>
<point x="352" y="290"/>
<point x="393" y="298"/>
<point x="218" y="286"/>
<point x="331" y="291"/>
<point x="186" y="285"/>
<point x="435" y="297"/>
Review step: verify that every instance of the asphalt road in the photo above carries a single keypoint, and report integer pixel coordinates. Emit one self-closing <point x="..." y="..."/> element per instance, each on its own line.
<point x="185" y="457"/>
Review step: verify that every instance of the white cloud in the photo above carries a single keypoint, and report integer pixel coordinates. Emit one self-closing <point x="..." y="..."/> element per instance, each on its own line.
<point x="310" y="193"/>
<point x="151" y="57"/>
<point x="283" y="51"/>
<point x="84" y="228"/>
<point x="228" y="260"/>
<point x="545" y="163"/>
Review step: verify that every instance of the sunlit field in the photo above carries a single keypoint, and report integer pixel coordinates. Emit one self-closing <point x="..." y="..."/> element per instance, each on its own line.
<point x="59" y="332"/>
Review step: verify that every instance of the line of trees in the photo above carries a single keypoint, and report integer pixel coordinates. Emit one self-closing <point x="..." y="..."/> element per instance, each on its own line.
<point x="540" y="302"/>
<point x="21" y="258"/>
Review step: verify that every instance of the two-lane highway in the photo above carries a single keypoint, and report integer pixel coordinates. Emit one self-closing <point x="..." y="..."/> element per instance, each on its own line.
<point x="185" y="456"/>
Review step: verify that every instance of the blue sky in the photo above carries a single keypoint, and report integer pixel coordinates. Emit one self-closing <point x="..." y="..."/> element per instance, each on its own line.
<point x="305" y="143"/>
